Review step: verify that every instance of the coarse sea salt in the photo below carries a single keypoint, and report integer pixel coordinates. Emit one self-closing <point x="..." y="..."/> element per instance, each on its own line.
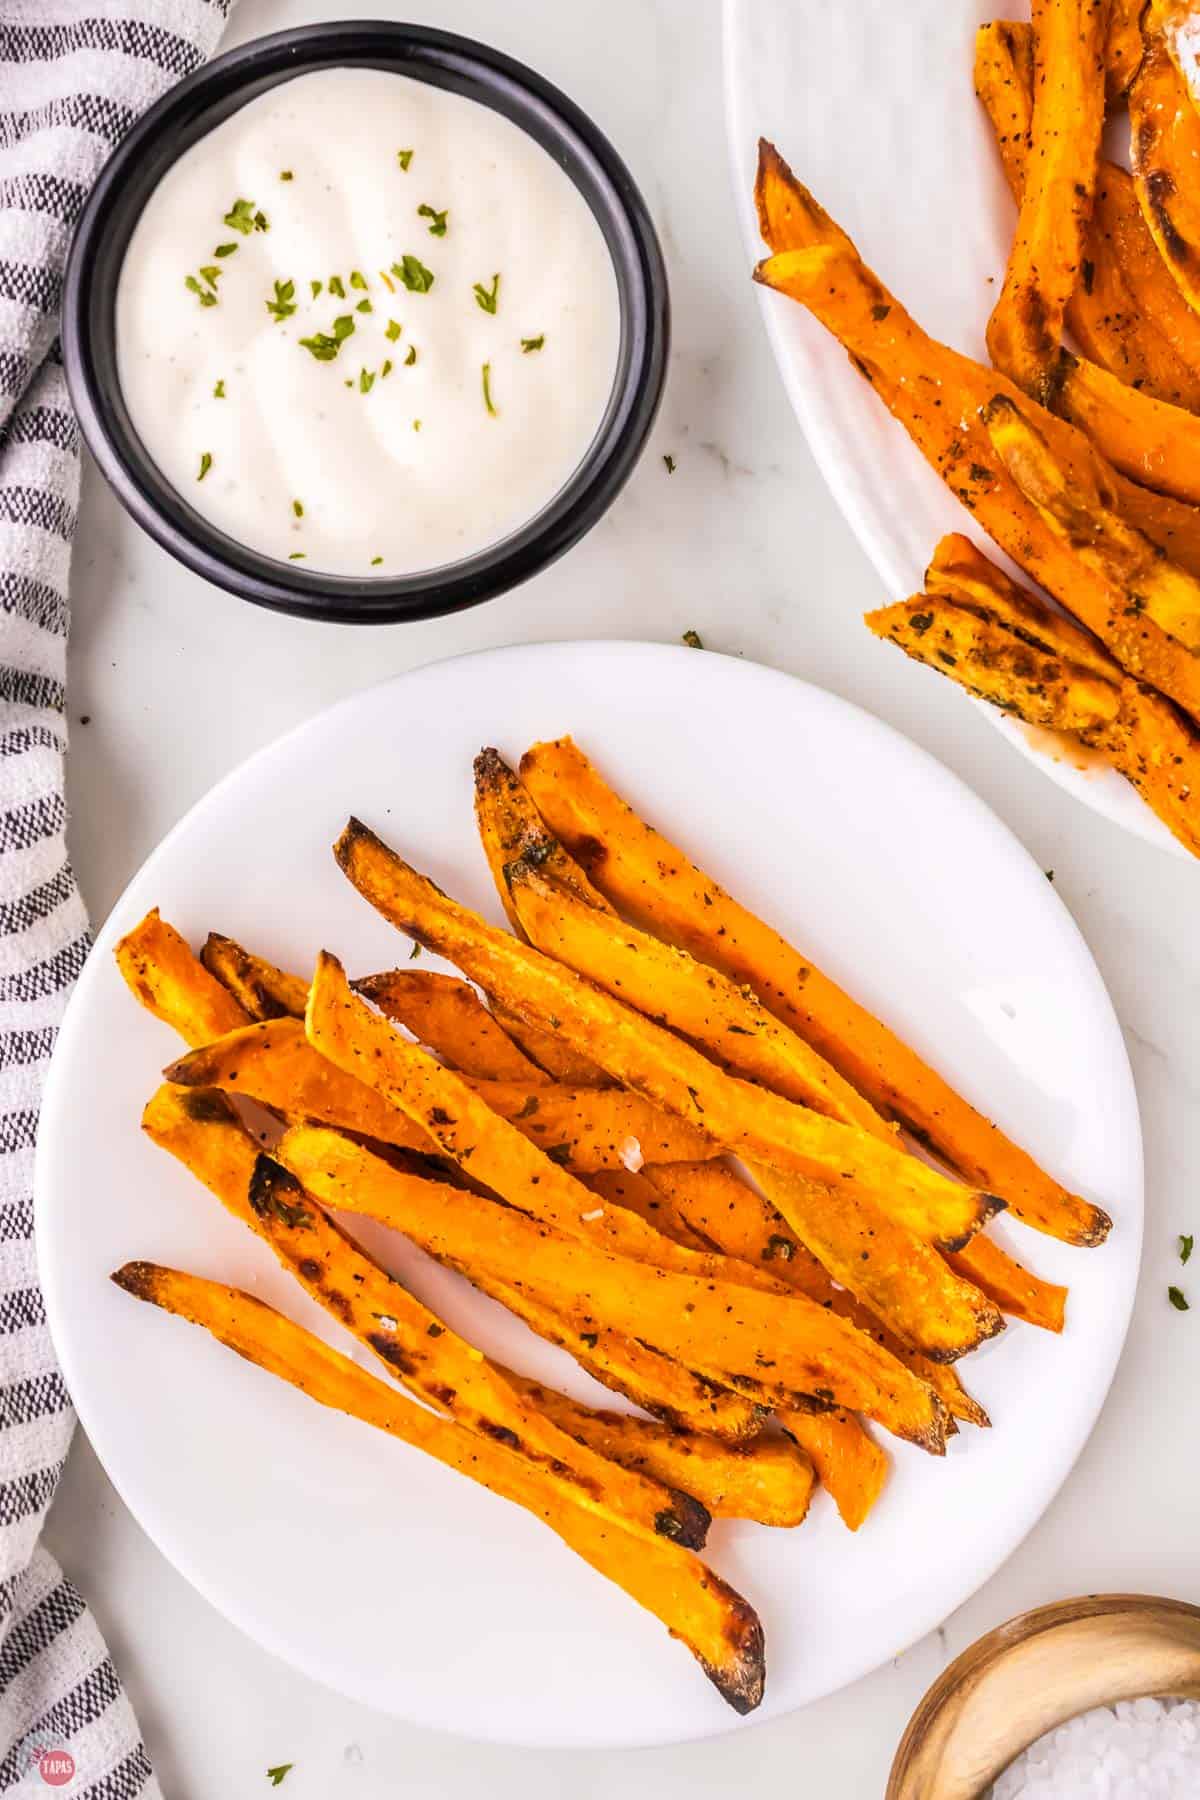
<point x="1136" y="1750"/>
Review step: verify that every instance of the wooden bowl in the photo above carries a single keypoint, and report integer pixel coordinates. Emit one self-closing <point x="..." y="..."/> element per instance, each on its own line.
<point x="1034" y="1673"/>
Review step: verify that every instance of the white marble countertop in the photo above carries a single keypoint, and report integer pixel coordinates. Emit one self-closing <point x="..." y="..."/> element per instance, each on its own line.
<point x="173" y="683"/>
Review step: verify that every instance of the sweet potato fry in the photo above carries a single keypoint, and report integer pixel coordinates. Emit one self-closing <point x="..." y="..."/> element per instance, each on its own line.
<point x="1014" y="1289"/>
<point x="988" y="661"/>
<point x="651" y="1060"/>
<point x="581" y="1128"/>
<point x="768" y="1480"/>
<point x="432" y="1360"/>
<point x="1025" y="330"/>
<point x="1165" y="141"/>
<point x="1085" y="515"/>
<point x="847" y="1459"/>
<point x="621" y="1187"/>
<point x="698" y="1002"/>
<point x="710" y="1199"/>
<point x="716" y="1624"/>
<point x="1122" y="47"/>
<point x="260" y="988"/>
<point x="938" y="396"/>
<point x="722" y="1329"/>
<point x="1125" y="312"/>
<point x="448" y="1015"/>
<point x="654" y="882"/>
<point x="560" y="1060"/>
<point x="656" y="1382"/>
<point x="511" y="829"/>
<point x="1139" y="732"/>
<point x="162" y="973"/>
<point x="1148" y="439"/>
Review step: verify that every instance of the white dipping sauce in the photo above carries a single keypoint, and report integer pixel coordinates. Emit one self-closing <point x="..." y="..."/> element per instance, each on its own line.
<point x="437" y="425"/>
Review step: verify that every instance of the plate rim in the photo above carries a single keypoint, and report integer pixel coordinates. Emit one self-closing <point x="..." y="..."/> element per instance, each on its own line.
<point x="162" y="1533"/>
<point x="803" y="372"/>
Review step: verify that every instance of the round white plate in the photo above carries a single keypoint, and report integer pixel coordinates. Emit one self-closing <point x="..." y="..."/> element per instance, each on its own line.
<point x="874" y="107"/>
<point x="352" y="1556"/>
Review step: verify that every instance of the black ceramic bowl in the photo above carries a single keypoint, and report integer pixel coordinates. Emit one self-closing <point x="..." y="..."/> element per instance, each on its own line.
<point x="191" y="110"/>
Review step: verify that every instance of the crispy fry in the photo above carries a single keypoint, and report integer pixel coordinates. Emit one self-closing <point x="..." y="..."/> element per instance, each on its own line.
<point x="1149" y="439"/>
<point x="432" y="1360"/>
<point x="987" y="660"/>
<point x="717" y="1327"/>
<point x="649" y="1059"/>
<point x="767" y="1480"/>
<point x="1085" y="515"/>
<point x="847" y="1459"/>
<point x="469" y="1044"/>
<point x="937" y="395"/>
<point x="561" y="1061"/>
<point x="718" y="1627"/>
<point x="698" y="1002"/>
<point x="959" y="569"/>
<point x="511" y="829"/>
<point x="710" y="1199"/>
<point x="1125" y="312"/>
<point x="642" y="1196"/>
<point x="584" y="1129"/>
<point x="1014" y="1289"/>
<point x="653" y="881"/>
<point x="1025" y="330"/>
<point x="1165" y="138"/>
<point x="162" y="973"/>
<point x="1122" y="47"/>
<point x="448" y="1015"/>
<point x="939" y="403"/>
<point x="260" y="988"/>
<point x="1139" y="732"/>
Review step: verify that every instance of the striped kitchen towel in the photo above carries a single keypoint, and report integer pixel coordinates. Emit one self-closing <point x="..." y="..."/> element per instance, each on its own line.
<point x="74" y="74"/>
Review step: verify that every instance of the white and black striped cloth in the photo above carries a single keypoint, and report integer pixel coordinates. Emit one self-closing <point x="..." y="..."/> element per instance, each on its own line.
<point x="73" y="77"/>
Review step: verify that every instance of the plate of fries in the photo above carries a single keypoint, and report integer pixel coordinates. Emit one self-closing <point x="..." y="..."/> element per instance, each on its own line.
<point x="1000" y="376"/>
<point x="661" y="1200"/>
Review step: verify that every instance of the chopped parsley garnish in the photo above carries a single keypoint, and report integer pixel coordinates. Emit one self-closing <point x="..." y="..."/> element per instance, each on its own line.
<point x="693" y="640"/>
<point x="487" y="298"/>
<point x="276" y="1775"/>
<point x="286" y="175"/>
<point x="357" y="279"/>
<point x="219" y="390"/>
<point x="298" y="509"/>
<point x="284" y="303"/>
<point x="1178" y="1299"/>
<point x="366" y="381"/>
<point x="296" y="556"/>
<point x="413" y="273"/>
<point x="669" y="463"/>
<point x="315" y="287"/>
<point x="404" y="157"/>
<point x="411" y="358"/>
<point x="364" y="306"/>
<point x="1186" y="1246"/>
<point x="325" y="345"/>
<point x="242" y="217"/>
<point x="487" y="390"/>
<point x="225" y="250"/>
<point x="438" y="227"/>
<point x="205" y="465"/>
<point x="337" y="287"/>
<point x="416" y="424"/>
<point x="528" y="344"/>
<point x="386" y="370"/>
<point x="392" y="331"/>
<point x="414" y="953"/>
<point x="387" y="281"/>
<point x="211" y="273"/>
<point x="375" y="560"/>
<point x="205" y="295"/>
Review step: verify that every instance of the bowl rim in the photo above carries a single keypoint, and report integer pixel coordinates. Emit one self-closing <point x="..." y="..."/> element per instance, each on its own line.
<point x="1104" y="1648"/>
<point x="532" y="103"/>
